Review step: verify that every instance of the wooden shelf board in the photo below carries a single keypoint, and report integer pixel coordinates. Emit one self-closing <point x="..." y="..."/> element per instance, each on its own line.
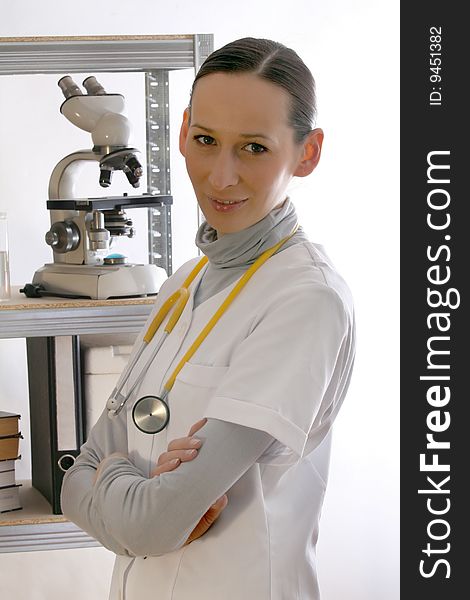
<point x="36" y="509"/>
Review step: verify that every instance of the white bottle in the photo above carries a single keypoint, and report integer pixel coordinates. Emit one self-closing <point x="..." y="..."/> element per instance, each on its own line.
<point x="4" y="266"/>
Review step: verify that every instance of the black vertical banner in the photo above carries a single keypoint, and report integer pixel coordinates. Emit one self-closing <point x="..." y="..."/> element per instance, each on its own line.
<point x="435" y="329"/>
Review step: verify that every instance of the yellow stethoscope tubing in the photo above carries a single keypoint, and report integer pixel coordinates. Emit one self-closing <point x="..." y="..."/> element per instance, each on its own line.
<point x="177" y="301"/>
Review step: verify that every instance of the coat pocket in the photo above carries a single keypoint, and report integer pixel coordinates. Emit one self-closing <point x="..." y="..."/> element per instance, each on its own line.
<point x="193" y="389"/>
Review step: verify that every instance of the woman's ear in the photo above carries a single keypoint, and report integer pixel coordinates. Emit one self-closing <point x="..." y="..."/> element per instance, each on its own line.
<point x="184" y="131"/>
<point x="311" y="153"/>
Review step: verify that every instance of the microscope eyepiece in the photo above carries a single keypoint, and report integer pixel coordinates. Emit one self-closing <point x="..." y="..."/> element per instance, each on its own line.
<point x="69" y="87"/>
<point x="93" y="87"/>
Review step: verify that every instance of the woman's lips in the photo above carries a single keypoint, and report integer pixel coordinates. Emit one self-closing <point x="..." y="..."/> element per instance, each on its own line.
<point x="226" y="206"/>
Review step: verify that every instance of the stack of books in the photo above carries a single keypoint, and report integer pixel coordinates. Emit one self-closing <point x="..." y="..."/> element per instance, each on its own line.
<point x="9" y="453"/>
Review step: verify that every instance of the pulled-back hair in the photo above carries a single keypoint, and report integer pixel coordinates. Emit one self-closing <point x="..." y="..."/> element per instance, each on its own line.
<point x="275" y="63"/>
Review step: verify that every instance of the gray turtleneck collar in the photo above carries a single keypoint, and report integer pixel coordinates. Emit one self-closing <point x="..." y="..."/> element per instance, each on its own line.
<point x="231" y="254"/>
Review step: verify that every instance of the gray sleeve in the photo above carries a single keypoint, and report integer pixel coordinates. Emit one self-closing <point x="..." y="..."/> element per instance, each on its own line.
<point x="133" y="515"/>
<point x="107" y="436"/>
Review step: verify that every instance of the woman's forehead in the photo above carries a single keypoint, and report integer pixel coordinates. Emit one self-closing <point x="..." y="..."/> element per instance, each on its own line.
<point x="242" y="102"/>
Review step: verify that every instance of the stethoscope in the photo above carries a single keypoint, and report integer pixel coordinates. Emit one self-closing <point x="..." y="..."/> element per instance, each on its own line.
<point x="151" y="414"/>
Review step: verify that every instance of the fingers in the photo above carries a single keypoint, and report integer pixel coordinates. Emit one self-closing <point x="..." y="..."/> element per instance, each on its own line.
<point x="213" y="512"/>
<point x="218" y="506"/>
<point x="171" y="465"/>
<point x="208" y="518"/>
<point x="187" y="442"/>
<point x="197" y="426"/>
<point x="179" y="450"/>
<point x="184" y="448"/>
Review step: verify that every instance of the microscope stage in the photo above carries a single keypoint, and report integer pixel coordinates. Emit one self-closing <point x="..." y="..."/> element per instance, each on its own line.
<point x="109" y="202"/>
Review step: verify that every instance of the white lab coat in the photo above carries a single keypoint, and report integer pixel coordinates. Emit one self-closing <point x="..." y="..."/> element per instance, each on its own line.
<point x="278" y="360"/>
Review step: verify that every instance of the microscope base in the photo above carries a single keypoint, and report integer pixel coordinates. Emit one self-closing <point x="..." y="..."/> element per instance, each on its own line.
<point x="100" y="282"/>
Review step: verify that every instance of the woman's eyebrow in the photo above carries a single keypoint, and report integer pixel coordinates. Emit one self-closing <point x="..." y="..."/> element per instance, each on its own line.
<point x="243" y="135"/>
<point x="208" y="129"/>
<point x="256" y="135"/>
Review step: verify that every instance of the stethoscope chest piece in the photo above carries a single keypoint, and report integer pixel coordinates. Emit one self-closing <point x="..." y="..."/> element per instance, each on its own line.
<point x="151" y="414"/>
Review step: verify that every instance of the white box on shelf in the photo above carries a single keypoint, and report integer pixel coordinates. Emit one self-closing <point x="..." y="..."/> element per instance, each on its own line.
<point x="102" y="366"/>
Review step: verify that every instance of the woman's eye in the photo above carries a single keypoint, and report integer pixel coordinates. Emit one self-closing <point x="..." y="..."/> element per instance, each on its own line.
<point x="255" y="148"/>
<point x="205" y="140"/>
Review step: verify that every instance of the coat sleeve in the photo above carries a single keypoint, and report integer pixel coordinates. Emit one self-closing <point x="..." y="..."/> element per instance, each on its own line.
<point x="289" y="376"/>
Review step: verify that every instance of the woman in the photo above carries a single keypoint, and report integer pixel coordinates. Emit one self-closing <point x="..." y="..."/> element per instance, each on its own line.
<point x="231" y="512"/>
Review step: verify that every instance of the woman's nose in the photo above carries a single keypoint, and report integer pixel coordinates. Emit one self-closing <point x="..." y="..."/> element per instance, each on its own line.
<point x="223" y="172"/>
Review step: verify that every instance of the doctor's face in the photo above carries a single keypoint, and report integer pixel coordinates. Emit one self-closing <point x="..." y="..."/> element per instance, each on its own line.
<point x="240" y="150"/>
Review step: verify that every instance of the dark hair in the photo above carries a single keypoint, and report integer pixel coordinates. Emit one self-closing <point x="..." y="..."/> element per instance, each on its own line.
<point x="273" y="62"/>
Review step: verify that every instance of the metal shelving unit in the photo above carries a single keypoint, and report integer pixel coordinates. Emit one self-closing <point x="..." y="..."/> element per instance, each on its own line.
<point x="35" y="527"/>
<point x="154" y="56"/>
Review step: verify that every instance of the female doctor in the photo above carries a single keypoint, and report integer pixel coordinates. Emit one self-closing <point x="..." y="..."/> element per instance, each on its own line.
<point x="207" y="476"/>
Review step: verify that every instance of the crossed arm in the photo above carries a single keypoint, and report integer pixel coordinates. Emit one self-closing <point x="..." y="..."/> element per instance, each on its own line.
<point x="107" y="496"/>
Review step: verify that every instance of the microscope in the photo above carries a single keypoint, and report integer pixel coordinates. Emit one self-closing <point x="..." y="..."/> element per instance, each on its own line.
<point x="83" y="230"/>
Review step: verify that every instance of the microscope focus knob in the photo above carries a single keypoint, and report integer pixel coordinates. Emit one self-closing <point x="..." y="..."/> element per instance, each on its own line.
<point x="63" y="236"/>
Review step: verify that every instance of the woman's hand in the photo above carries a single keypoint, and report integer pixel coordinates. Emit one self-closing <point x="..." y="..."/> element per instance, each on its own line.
<point x="184" y="450"/>
<point x="179" y="450"/>
<point x="207" y="519"/>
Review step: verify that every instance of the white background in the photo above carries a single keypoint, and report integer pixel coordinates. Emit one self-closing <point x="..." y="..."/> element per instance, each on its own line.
<point x="350" y="204"/>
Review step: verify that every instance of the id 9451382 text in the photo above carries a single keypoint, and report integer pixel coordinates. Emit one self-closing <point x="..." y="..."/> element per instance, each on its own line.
<point x="435" y="66"/>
